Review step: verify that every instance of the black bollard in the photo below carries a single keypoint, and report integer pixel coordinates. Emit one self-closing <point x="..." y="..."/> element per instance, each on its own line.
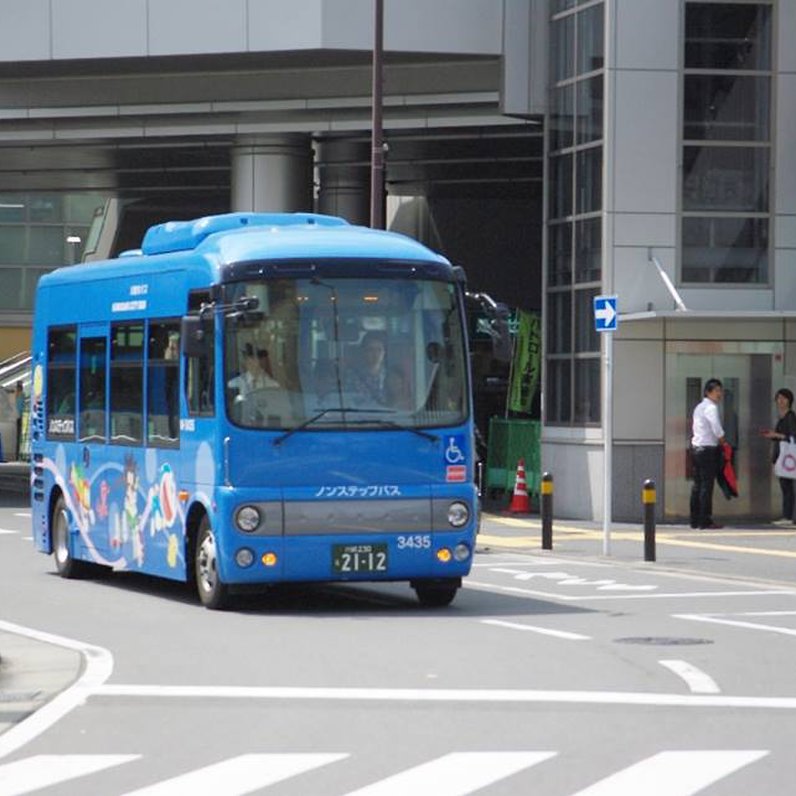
<point x="648" y="498"/>
<point x="546" y="509"/>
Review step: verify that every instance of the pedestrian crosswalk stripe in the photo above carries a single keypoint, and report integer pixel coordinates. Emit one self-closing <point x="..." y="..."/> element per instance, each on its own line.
<point x="40" y="771"/>
<point x="239" y="775"/>
<point x="669" y="773"/>
<point x="673" y="773"/>
<point x="455" y="774"/>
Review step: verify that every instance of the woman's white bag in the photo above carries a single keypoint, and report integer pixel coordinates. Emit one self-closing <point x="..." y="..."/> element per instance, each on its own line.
<point x="785" y="465"/>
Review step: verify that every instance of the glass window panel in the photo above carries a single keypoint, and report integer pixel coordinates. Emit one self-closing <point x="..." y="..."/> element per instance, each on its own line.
<point x="590" y="109"/>
<point x="12" y="245"/>
<point x="560" y="255"/>
<point x="46" y="245"/>
<point x="12" y="207"/>
<point x="61" y="383"/>
<point x="589" y="178"/>
<point x="560" y="186"/>
<point x="562" y="5"/>
<point x="559" y="322"/>
<point x="81" y="208"/>
<point x="127" y="379"/>
<point x="586" y="337"/>
<point x="558" y="395"/>
<point x="562" y="48"/>
<point x="590" y="39"/>
<point x="46" y="208"/>
<point x="11" y="280"/>
<point x="30" y="278"/>
<point x="588" y="250"/>
<point x="725" y="178"/>
<point x="587" y="391"/>
<point x="562" y="117"/>
<point x="727" y="36"/>
<point x="163" y="374"/>
<point x="725" y="250"/>
<point x="93" y="380"/>
<point x="726" y="107"/>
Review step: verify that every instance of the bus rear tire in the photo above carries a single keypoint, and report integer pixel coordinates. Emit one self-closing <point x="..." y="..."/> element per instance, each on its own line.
<point x="436" y="593"/>
<point x="65" y="564"/>
<point x="213" y="592"/>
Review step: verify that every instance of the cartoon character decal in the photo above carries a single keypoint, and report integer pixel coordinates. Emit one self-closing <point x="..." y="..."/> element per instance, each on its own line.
<point x="127" y="523"/>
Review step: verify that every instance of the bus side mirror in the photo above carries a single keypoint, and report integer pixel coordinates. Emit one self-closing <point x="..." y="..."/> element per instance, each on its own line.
<point x="193" y="333"/>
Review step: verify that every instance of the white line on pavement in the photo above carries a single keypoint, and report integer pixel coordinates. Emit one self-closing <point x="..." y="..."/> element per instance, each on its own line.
<point x="709" y="618"/>
<point x="545" y="631"/>
<point x="429" y="695"/>
<point x="41" y="771"/>
<point x="673" y="773"/>
<point x="474" y="584"/>
<point x="696" y="679"/>
<point x="97" y="668"/>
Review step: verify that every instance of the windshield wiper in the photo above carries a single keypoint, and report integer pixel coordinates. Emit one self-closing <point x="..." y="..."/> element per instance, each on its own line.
<point x="310" y="420"/>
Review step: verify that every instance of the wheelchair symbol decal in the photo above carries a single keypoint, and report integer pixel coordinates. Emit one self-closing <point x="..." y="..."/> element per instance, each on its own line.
<point x="453" y="450"/>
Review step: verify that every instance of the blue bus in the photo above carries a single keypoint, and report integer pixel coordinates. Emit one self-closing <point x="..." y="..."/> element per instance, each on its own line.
<point x="256" y="398"/>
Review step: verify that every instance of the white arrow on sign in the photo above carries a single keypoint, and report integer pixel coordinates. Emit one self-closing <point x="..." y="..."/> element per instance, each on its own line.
<point x="606" y="314"/>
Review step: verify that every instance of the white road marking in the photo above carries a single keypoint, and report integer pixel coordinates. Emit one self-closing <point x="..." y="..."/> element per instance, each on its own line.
<point x="25" y="514"/>
<point x="97" y="668"/>
<point x="505" y="696"/>
<point x="545" y="631"/>
<point x="696" y="679"/>
<point x="673" y="773"/>
<point x="474" y="584"/>
<point x="41" y="771"/>
<point x="716" y="620"/>
<point x="239" y="775"/>
<point x="566" y="579"/>
<point x="455" y="774"/>
<point x="6" y="531"/>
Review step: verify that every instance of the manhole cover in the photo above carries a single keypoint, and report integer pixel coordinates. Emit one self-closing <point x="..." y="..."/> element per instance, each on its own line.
<point x="662" y="641"/>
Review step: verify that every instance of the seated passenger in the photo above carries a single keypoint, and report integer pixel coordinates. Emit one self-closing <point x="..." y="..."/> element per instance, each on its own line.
<point x="367" y="380"/>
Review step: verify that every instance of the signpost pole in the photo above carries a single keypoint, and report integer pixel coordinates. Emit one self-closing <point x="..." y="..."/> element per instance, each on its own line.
<point x="608" y="436"/>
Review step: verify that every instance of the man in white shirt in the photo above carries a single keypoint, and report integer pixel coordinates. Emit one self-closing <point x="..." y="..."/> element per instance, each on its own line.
<point x="707" y="436"/>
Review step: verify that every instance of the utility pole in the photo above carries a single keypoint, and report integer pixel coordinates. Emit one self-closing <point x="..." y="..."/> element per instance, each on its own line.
<point x="377" y="150"/>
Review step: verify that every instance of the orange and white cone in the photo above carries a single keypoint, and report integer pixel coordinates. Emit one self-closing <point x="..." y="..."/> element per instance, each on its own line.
<point x="520" y="503"/>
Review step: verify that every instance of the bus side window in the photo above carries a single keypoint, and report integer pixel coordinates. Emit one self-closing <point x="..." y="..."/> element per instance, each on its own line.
<point x="163" y="369"/>
<point x="200" y="370"/>
<point x="92" y="389"/>
<point x="127" y="378"/>
<point x="61" y="382"/>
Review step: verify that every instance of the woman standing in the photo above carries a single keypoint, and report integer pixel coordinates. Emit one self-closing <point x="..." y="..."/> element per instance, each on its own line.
<point x="785" y="428"/>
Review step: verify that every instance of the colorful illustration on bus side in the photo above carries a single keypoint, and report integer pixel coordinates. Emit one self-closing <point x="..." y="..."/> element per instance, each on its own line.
<point x="121" y="521"/>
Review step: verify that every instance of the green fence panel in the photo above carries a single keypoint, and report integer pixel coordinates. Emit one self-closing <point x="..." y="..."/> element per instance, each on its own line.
<point x="509" y="441"/>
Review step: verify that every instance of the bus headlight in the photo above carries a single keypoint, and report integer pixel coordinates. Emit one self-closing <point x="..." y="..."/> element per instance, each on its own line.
<point x="244" y="557"/>
<point x="247" y="519"/>
<point x="458" y="514"/>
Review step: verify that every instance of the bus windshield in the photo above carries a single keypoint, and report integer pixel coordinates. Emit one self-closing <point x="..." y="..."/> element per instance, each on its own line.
<point x="344" y="353"/>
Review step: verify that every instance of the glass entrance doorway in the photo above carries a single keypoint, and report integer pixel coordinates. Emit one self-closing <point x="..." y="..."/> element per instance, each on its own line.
<point x="751" y="373"/>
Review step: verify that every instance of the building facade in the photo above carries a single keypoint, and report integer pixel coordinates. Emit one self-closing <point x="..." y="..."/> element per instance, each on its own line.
<point x="558" y="149"/>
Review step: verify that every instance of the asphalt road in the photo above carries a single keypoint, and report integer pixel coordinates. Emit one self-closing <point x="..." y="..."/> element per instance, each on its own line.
<point x="552" y="673"/>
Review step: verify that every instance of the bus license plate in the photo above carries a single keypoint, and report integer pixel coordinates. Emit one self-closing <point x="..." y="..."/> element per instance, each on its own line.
<point x="353" y="558"/>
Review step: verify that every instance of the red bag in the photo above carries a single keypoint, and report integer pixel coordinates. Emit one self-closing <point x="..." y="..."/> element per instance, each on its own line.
<point x="727" y="480"/>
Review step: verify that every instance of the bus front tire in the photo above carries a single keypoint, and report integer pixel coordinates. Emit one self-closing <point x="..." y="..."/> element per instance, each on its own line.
<point x="65" y="564"/>
<point x="436" y="593"/>
<point x="213" y="592"/>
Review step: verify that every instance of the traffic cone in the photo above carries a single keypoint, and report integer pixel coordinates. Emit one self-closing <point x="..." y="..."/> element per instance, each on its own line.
<point x="520" y="504"/>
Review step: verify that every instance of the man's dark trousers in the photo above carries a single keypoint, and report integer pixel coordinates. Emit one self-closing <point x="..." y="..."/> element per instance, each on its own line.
<point x="706" y="467"/>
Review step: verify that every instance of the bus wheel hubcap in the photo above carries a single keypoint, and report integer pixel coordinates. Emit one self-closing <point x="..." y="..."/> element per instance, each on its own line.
<point x="206" y="563"/>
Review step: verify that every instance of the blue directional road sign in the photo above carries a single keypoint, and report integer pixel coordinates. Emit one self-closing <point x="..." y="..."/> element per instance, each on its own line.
<point x="605" y="314"/>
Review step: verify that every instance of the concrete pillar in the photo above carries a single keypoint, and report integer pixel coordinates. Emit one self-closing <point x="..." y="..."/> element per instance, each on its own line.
<point x="344" y="179"/>
<point x="272" y="173"/>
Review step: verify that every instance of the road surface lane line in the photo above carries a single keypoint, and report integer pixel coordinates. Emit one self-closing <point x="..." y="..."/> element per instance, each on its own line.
<point x="697" y="681"/>
<point x="673" y="773"/>
<point x="41" y="771"/>
<point x="455" y="774"/>
<point x="429" y="695"/>
<point x="97" y="668"/>
<point x="785" y="631"/>
<point x="239" y="775"/>
<point x="474" y="584"/>
<point x="545" y="631"/>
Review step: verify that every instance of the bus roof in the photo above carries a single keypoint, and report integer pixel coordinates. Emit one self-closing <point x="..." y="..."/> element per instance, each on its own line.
<point x="222" y="240"/>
